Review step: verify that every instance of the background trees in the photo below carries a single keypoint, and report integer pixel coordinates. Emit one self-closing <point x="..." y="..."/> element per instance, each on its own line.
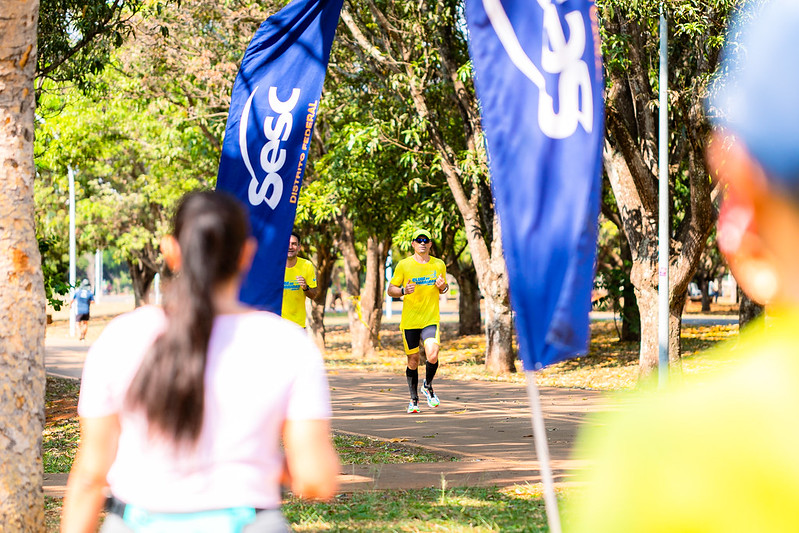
<point x="132" y="158"/>
<point x="398" y="143"/>
<point x="418" y="54"/>
<point x="630" y="47"/>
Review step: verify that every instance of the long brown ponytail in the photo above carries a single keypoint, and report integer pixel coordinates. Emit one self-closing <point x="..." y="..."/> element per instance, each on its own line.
<point x="210" y="228"/>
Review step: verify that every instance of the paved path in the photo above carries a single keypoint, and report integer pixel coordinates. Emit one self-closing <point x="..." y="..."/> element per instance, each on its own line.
<point x="485" y="425"/>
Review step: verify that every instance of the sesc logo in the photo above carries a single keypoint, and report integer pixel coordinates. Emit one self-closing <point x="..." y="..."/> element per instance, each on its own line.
<point x="560" y="57"/>
<point x="273" y="154"/>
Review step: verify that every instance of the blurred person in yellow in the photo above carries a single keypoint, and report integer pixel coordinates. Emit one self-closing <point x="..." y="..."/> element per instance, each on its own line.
<point x="420" y="279"/>
<point x="299" y="282"/>
<point x="720" y="454"/>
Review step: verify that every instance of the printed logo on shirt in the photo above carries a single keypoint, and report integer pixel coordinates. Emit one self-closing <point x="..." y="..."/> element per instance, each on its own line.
<point x="425" y="280"/>
<point x="291" y="285"/>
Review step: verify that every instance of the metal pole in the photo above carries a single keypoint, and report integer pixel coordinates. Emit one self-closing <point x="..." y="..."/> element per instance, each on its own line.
<point x="389" y="275"/>
<point x="98" y="275"/>
<point x="72" y="273"/>
<point x="542" y="452"/>
<point x="663" y="222"/>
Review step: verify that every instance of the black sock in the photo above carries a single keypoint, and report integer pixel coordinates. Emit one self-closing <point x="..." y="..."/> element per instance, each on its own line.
<point x="413" y="383"/>
<point x="430" y="371"/>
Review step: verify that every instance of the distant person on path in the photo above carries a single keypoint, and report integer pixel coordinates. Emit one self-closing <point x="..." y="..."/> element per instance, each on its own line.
<point x="192" y="416"/>
<point x="420" y="279"/>
<point x="720" y="454"/>
<point x="83" y="298"/>
<point x="299" y="283"/>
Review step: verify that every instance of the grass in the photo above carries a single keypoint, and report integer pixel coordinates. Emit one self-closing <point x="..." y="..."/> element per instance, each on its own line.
<point x="359" y="450"/>
<point x="472" y="509"/>
<point x="61" y="431"/>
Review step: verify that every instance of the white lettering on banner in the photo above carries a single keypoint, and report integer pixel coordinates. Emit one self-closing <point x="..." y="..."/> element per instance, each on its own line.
<point x="272" y="157"/>
<point x="574" y="85"/>
<point x="558" y="56"/>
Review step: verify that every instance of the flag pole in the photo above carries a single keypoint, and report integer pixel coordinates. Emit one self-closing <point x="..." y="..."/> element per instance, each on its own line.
<point x="663" y="197"/>
<point x="542" y="452"/>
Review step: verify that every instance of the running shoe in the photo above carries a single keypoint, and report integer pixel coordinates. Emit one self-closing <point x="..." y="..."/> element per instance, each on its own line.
<point x="432" y="399"/>
<point x="413" y="408"/>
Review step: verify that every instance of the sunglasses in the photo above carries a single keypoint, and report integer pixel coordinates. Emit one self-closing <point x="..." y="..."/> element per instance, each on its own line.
<point x="422" y="240"/>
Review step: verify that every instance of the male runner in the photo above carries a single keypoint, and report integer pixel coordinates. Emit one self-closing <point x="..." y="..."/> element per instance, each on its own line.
<point x="420" y="278"/>
<point x="84" y="298"/>
<point x="299" y="282"/>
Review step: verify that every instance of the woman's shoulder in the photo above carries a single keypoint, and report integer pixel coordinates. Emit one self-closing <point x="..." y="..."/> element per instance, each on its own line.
<point x="260" y="323"/>
<point x="144" y="316"/>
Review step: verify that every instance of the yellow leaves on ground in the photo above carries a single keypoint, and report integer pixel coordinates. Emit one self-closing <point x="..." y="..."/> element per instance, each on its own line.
<point x="609" y="364"/>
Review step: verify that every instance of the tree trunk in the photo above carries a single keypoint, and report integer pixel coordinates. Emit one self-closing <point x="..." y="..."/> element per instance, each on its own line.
<point x="630" y="315"/>
<point x="325" y="261"/>
<point x="500" y="358"/>
<point x="352" y="275"/>
<point x="22" y="314"/>
<point x="371" y="300"/>
<point x="641" y="230"/>
<point x="704" y="287"/>
<point x="469" y="320"/>
<point x="141" y="278"/>
<point x="649" y="353"/>
<point x="747" y="310"/>
<point x="395" y="52"/>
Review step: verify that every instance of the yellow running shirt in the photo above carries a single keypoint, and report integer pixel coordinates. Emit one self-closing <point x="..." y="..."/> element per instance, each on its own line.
<point x="420" y="308"/>
<point x="717" y="456"/>
<point x="293" y="295"/>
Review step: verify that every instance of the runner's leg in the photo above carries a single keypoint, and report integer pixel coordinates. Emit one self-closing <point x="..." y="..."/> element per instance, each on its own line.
<point x="411" y="338"/>
<point x="430" y="337"/>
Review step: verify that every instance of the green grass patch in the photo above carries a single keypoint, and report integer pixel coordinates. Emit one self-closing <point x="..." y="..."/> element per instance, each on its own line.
<point x="360" y="450"/>
<point x="52" y="514"/>
<point x="457" y="510"/>
<point x="61" y="430"/>
<point x="60" y="443"/>
<point x="473" y="509"/>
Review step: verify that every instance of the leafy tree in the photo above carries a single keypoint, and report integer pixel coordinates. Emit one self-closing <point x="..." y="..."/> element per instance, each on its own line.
<point x="133" y="160"/>
<point x="76" y="38"/>
<point x="417" y="52"/>
<point x="22" y="312"/>
<point x="630" y="48"/>
<point x="369" y="184"/>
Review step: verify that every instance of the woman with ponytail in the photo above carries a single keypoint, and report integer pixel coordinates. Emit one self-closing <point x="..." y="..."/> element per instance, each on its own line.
<point x="183" y="409"/>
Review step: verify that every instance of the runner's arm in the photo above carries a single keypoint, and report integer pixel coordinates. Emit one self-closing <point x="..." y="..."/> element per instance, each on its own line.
<point x="85" y="495"/>
<point x="311" y="460"/>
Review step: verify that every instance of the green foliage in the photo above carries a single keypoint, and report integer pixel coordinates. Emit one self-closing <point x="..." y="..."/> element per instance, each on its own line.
<point x="76" y="38"/>
<point x="54" y="269"/>
<point x="132" y="161"/>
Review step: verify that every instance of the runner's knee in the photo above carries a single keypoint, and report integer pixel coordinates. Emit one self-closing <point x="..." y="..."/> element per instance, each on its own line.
<point x="431" y="351"/>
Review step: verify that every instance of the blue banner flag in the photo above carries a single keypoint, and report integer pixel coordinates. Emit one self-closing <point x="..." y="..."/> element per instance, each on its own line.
<point x="272" y="113"/>
<point x="538" y="75"/>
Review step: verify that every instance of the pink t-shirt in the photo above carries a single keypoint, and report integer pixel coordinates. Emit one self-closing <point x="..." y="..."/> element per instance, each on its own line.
<point x="261" y="371"/>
